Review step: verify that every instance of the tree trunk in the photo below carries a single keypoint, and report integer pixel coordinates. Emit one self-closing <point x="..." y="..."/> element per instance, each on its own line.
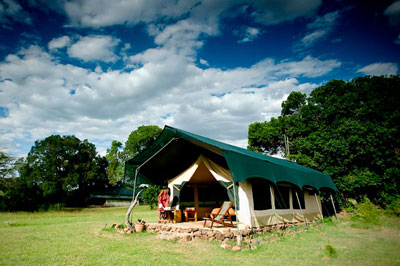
<point x="128" y="213"/>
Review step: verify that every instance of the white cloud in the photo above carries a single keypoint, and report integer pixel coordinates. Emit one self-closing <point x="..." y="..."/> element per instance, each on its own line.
<point x="321" y="27"/>
<point x="165" y="87"/>
<point x="94" y="48"/>
<point x="312" y="37"/>
<point x="276" y="11"/>
<point x="95" y="13"/>
<point x="159" y="85"/>
<point x="203" y="62"/>
<point x="393" y="12"/>
<point x="397" y="41"/>
<point x="308" y="67"/>
<point x="58" y="43"/>
<point x="249" y="34"/>
<point x="378" y="69"/>
<point x="11" y="10"/>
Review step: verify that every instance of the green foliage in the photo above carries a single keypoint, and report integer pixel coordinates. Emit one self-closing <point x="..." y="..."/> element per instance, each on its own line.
<point x="348" y="130"/>
<point x="331" y="251"/>
<point x="394" y="207"/>
<point x="117" y="155"/>
<point x="140" y="139"/>
<point x="267" y="137"/>
<point x="58" y="170"/>
<point x="116" y="160"/>
<point x="8" y="166"/>
<point x="293" y="103"/>
<point x="150" y="195"/>
<point x="365" y="214"/>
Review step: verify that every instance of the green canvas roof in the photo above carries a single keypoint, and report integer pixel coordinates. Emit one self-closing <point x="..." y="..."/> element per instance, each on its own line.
<point x="175" y="150"/>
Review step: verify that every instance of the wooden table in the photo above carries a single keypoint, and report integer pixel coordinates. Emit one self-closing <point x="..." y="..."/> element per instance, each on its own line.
<point x="190" y="218"/>
<point x="168" y="218"/>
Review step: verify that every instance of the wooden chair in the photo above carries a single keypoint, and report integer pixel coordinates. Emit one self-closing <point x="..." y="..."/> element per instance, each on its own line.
<point x="221" y="216"/>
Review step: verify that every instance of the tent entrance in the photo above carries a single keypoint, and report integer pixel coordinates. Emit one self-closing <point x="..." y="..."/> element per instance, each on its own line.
<point x="204" y="197"/>
<point x="205" y="186"/>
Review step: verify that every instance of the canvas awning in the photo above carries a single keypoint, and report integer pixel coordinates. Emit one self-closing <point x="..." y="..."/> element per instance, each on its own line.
<point x="175" y="150"/>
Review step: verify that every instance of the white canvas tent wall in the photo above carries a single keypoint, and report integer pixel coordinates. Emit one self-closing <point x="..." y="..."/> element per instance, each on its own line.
<point x="204" y="168"/>
<point x="256" y="218"/>
<point x="202" y="171"/>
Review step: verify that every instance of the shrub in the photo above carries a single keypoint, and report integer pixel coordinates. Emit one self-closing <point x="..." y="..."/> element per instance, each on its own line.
<point x="366" y="213"/>
<point x="394" y="207"/>
<point x="331" y="251"/>
<point x="150" y="195"/>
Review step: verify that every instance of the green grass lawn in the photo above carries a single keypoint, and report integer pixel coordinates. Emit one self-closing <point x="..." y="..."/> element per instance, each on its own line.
<point x="77" y="236"/>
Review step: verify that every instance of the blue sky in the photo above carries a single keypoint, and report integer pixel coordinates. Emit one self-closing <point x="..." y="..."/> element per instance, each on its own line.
<point x="99" y="69"/>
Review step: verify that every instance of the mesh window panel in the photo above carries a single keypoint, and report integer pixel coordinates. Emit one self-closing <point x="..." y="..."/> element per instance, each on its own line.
<point x="212" y="195"/>
<point x="301" y="199"/>
<point x="261" y="195"/>
<point x="187" y="197"/>
<point x="282" y="200"/>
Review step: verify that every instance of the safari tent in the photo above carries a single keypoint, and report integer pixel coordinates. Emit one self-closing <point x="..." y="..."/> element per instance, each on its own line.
<point x="202" y="173"/>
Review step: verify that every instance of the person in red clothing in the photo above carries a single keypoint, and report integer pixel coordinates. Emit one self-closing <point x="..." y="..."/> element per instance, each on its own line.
<point x="163" y="201"/>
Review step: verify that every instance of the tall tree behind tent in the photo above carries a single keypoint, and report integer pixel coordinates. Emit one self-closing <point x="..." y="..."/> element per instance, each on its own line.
<point x="349" y="130"/>
<point x="138" y="140"/>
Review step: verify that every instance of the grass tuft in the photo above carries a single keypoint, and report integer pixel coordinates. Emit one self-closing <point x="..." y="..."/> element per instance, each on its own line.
<point x="331" y="251"/>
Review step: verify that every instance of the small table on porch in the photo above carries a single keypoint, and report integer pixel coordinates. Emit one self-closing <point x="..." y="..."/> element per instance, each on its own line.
<point x="192" y="216"/>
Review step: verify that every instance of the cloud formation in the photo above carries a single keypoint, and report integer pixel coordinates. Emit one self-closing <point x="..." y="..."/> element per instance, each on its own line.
<point x="378" y="69"/>
<point x="44" y="93"/>
<point x="94" y="48"/>
<point x="320" y="28"/>
<point x="393" y="12"/>
<point x="275" y="11"/>
<point x="94" y="13"/>
<point x="58" y="43"/>
<point x="11" y="11"/>
<point x="249" y="34"/>
<point x="167" y="88"/>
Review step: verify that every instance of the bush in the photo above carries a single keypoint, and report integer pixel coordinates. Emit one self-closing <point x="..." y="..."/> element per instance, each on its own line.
<point x="394" y="208"/>
<point x="150" y="195"/>
<point x="366" y="213"/>
<point x="331" y="251"/>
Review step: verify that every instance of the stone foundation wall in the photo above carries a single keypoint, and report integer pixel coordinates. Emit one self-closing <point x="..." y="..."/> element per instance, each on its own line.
<point x="170" y="232"/>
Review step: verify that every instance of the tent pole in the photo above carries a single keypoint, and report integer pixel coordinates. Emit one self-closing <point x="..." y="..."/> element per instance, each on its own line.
<point x="134" y="184"/>
<point x="273" y="200"/>
<point x="138" y="168"/>
<point x="319" y="208"/>
<point x="334" y="208"/>
<point x="301" y="210"/>
<point x="134" y="190"/>
<point x="239" y="236"/>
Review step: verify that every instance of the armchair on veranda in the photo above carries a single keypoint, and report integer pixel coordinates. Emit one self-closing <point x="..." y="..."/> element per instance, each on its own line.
<point x="222" y="216"/>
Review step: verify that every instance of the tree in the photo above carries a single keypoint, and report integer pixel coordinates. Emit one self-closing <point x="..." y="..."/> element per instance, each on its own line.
<point x="346" y="129"/>
<point x="117" y="155"/>
<point x="11" y="188"/>
<point x="150" y="195"/>
<point x="64" y="170"/>
<point x="115" y="158"/>
<point x="293" y="103"/>
<point x="140" y="139"/>
<point x="9" y="165"/>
